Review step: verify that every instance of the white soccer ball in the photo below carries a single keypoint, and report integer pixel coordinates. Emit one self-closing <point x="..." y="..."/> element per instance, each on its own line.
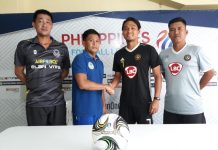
<point x="110" y="132"/>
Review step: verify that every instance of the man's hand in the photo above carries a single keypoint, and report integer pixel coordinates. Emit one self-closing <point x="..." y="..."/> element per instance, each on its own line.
<point x="154" y="106"/>
<point x="109" y="89"/>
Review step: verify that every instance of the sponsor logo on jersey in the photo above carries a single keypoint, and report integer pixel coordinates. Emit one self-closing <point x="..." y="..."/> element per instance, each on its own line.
<point x="130" y="71"/>
<point x="138" y="57"/>
<point x="46" y="61"/>
<point x="90" y="65"/>
<point x="56" y="53"/>
<point x="175" y="68"/>
<point x="122" y="61"/>
<point x="187" y="57"/>
<point x="166" y="58"/>
<point x="45" y="64"/>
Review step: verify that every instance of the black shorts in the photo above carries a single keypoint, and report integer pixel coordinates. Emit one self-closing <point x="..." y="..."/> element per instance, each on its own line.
<point x="41" y="116"/>
<point x="171" y="118"/>
<point x="136" y="114"/>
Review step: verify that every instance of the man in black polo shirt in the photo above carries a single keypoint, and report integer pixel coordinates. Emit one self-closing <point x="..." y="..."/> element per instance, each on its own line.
<point x="132" y="63"/>
<point x="42" y="63"/>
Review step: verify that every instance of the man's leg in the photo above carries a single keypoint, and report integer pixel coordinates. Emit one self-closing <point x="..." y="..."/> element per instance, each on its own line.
<point x="36" y="116"/>
<point x="57" y="115"/>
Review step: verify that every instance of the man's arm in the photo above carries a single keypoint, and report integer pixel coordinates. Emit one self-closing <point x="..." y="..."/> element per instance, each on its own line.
<point x="19" y="72"/>
<point x="206" y="78"/>
<point x="158" y="81"/>
<point x="116" y="80"/>
<point x="86" y="84"/>
<point x="64" y="73"/>
<point x="157" y="89"/>
<point x="104" y="102"/>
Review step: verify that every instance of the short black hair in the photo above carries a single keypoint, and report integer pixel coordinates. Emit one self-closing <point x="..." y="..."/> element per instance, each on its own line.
<point x="41" y="11"/>
<point x="133" y="20"/>
<point x="177" y="19"/>
<point x="89" y="31"/>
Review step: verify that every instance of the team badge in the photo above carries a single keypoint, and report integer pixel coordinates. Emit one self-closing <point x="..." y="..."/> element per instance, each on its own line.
<point x="91" y="66"/>
<point x="34" y="52"/>
<point x="175" y="68"/>
<point x="187" y="57"/>
<point x="122" y="61"/>
<point x="130" y="71"/>
<point x="138" y="57"/>
<point x="56" y="53"/>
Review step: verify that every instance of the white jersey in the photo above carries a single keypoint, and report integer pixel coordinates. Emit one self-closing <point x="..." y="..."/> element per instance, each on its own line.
<point x="182" y="73"/>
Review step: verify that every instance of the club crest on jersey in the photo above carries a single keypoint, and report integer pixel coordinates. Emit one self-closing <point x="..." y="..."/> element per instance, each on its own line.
<point x="187" y="57"/>
<point x="90" y="65"/>
<point x="56" y="53"/>
<point x="175" y="68"/>
<point x="130" y="71"/>
<point x="138" y="57"/>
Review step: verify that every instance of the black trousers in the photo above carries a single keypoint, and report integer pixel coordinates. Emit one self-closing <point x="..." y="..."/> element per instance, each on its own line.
<point x="42" y="116"/>
<point x="171" y="118"/>
<point x="136" y="114"/>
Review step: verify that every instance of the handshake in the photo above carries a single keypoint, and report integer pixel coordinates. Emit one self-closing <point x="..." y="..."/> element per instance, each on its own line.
<point x="109" y="89"/>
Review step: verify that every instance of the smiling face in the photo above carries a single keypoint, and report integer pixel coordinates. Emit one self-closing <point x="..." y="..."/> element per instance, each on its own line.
<point x="178" y="33"/>
<point x="92" y="44"/>
<point x="130" y="31"/>
<point x="43" y="25"/>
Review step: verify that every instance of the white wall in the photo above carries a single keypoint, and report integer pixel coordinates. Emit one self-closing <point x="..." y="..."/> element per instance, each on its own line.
<point x="29" y="6"/>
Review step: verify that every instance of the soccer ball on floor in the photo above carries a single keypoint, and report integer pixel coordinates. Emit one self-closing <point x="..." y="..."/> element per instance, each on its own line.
<point x="110" y="132"/>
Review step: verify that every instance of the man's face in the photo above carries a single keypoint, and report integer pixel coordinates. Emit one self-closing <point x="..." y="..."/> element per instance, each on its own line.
<point x="178" y="32"/>
<point x="130" y="31"/>
<point x="92" y="44"/>
<point x="43" y="25"/>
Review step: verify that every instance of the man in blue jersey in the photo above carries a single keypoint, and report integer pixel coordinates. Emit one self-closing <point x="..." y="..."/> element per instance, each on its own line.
<point x="88" y="102"/>
<point x="182" y="65"/>
<point x="42" y="63"/>
<point x="132" y="63"/>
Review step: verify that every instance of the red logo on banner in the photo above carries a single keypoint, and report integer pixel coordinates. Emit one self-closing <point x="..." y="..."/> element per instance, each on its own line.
<point x="131" y="71"/>
<point x="175" y="68"/>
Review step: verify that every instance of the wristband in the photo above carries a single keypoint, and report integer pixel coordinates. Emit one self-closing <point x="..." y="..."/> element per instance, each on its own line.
<point x="157" y="98"/>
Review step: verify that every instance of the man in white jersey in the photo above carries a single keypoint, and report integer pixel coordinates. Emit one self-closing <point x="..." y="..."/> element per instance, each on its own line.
<point x="181" y="66"/>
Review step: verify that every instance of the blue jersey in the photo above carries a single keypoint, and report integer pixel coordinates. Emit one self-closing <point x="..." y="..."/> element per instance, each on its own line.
<point x="87" y="102"/>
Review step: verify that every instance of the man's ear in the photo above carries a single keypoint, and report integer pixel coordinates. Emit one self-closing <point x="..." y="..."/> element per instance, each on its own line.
<point x="83" y="43"/>
<point x="33" y="24"/>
